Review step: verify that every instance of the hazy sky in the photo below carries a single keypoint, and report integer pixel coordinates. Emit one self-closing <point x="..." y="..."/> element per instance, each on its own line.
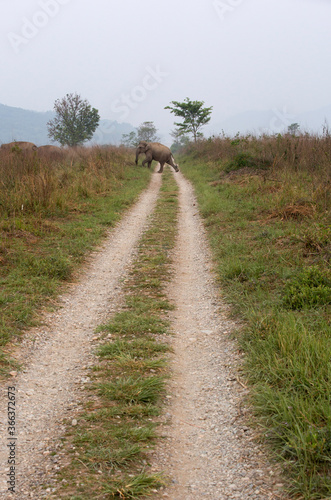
<point x="131" y="58"/>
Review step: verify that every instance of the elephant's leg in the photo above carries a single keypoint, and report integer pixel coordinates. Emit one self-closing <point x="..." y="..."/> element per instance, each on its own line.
<point x="148" y="160"/>
<point x="161" y="167"/>
<point x="149" y="163"/>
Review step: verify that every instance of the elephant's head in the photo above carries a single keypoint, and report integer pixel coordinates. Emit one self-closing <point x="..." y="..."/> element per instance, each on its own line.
<point x="141" y="148"/>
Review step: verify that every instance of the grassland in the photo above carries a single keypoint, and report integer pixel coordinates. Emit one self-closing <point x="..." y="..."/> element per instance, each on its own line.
<point x="52" y="212"/>
<point x="266" y="204"/>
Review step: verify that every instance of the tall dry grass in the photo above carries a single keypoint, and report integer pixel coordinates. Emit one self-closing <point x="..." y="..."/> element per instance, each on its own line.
<point x="301" y="165"/>
<point x="54" y="209"/>
<point x="309" y="152"/>
<point x="33" y="184"/>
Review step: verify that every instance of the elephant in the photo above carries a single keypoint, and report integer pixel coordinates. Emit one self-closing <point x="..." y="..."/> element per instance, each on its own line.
<point x="53" y="152"/>
<point x="158" y="152"/>
<point x="19" y="146"/>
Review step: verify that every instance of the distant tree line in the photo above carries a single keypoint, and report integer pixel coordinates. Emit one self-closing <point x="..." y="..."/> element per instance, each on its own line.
<point x="76" y="121"/>
<point x="194" y="116"/>
<point x="145" y="132"/>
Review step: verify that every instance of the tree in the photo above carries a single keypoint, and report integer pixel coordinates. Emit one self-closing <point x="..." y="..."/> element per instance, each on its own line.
<point x="75" y="121"/>
<point x="193" y="114"/>
<point x="147" y="132"/>
<point x="180" y="140"/>
<point x="293" y="128"/>
<point x="326" y="129"/>
<point x="130" y="140"/>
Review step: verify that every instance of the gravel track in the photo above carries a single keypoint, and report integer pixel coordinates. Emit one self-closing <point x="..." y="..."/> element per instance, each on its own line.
<point x="56" y="355"/>
<point x="208" y="451"/>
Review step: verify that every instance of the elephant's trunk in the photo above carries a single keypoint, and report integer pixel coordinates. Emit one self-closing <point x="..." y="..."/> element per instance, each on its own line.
<point x="137" y="156"/>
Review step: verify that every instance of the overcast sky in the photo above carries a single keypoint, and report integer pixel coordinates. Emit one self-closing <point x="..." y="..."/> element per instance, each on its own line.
<point x="131" y="58"/>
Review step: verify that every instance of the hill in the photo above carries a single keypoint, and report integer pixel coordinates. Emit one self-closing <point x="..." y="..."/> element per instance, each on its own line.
<point x="17" y="124"/>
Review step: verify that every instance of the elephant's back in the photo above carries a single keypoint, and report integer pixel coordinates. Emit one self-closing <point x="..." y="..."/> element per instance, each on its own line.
<point x="23" y="145"/>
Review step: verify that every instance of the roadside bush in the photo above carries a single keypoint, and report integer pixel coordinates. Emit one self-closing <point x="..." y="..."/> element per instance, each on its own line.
<point x="245" y="159"/>
<point x="52" y="266"/>
<point x="305" y="153"/>
<point x="310" y="288"/>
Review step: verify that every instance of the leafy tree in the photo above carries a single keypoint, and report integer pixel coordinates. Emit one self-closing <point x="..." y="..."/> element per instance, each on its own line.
<point x="75" y="121"/>
<point x="193" y="114"/>
<point x="180" y="140"/>
<point x="326" y="129"/>
<point x="130" y="140"/>
<point x="147" y="132"/>
<point x="293" y="128"/>
<point x="176" y="134"/>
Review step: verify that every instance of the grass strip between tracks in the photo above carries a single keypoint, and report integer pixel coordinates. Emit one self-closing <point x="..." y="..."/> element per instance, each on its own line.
<point x="110" y="446"/>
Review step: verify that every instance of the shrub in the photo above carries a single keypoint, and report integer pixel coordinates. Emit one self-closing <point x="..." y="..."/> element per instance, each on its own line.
<point x="241" y="160"/>
<point x="52" y="266"/>
<point x="310" y="288"/>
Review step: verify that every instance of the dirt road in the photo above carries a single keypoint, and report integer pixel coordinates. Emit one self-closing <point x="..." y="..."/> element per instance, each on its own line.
<point x="209" y="451"/>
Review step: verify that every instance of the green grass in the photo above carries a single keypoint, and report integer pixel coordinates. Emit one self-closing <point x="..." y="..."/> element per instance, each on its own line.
<point x="42" y="248"/>
<point x="133" y="390"/>
<point x="141" y="348"/>
<point x="117" y="431"/>
<point x="272" y="252"/>
<point x="141" y="485"/>
<point x="128" y="323"/>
